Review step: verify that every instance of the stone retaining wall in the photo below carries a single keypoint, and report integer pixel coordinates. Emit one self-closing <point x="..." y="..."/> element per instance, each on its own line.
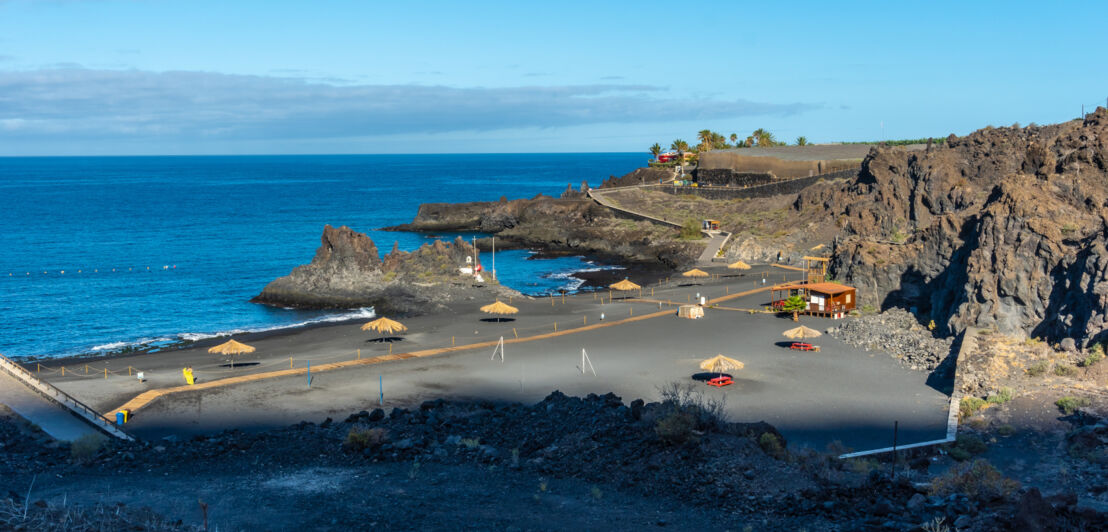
<point x="787" y="186"/>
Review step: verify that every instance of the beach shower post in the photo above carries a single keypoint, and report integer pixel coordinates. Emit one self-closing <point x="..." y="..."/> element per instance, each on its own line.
<point x="380" y="389"/>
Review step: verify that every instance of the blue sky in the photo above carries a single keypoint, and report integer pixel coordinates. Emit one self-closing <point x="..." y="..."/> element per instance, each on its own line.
<point x="199" y="77"/>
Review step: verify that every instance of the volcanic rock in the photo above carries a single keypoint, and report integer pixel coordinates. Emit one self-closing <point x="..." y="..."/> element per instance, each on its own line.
<point x="347" y="272"/>
<point x="1004" y="229"/>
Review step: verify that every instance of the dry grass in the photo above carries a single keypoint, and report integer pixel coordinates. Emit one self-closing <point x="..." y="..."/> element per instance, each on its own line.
<point x="41" y="516"/>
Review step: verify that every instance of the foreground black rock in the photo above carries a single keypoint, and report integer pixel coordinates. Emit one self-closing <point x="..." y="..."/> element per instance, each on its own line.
<point x="674" y="454"/>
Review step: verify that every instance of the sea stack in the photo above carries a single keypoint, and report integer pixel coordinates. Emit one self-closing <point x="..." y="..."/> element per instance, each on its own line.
<point x="347" y="272"/>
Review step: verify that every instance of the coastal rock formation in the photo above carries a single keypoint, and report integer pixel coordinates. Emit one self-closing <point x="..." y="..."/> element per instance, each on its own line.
<point x="1005" y="228"/>
<point x="347" y="272"/>
<point x="578" y="226"/>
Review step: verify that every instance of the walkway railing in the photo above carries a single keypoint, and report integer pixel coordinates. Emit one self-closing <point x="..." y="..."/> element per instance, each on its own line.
<point x="67" y="401"/>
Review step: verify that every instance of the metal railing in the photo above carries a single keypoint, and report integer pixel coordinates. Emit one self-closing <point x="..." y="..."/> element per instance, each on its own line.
<point x="67" y="401"/>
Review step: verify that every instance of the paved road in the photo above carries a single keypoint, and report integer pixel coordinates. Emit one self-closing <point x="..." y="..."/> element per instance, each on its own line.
<point x="51" y="418"/>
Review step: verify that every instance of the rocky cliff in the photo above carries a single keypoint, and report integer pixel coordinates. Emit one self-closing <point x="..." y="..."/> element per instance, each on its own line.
<point x="347" y="272"/>
<point x="577" y="226"/>
<point x="1004" y="228"/>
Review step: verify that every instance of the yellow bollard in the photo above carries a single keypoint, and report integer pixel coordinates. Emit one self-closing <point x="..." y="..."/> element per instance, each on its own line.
<point x="290" y="362"/>
<point x="128" y="371"/>
<point x="451" y="341"/>
<point x="689" y="298"/>
<point x="514" y="333"/>
<point x="39" y="368"/>
<point x="390" y="348"/>
<point x="594" y="296"/>
<point x="555" y="326"/>
<point x="651" y="291"/>
<point x="359" y="354"/>
<point x="632" y="309"/>
<point x="728" y="290"/>
<point x="584" y="320"/>
<point x="86" y="369"/>
<point x="63" y="371"/>
<point x="105" y="373"/>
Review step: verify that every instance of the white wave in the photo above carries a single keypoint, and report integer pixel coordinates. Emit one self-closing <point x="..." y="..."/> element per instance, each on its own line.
<point x="362" y="313"/>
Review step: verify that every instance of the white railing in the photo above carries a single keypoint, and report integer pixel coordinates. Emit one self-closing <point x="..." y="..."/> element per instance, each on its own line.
<point x="968" y="337"/>
<point x="67" y="401"/>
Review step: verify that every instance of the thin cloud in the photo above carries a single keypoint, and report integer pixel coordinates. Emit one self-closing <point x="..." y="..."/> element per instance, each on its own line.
<point x="73" y="104"/>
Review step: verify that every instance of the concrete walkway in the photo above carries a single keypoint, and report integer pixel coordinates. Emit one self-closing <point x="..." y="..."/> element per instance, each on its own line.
<point x="715" y="242"/>
<point x="51" y="418"/>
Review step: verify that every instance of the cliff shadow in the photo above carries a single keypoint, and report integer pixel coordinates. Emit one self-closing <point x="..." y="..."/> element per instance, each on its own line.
<point x="238" y="365"/>
<point x="498" y="320"/>
<point x="1068" y="299"/>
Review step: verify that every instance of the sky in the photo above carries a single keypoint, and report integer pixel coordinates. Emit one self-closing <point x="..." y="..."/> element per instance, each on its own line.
<point x="148" y="77"/>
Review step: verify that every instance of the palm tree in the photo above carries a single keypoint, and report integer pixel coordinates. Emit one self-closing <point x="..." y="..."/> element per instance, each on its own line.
<point x="765" y="138"/>
<point x="655" y="150"/>
<point x="749" y="141"/>
<point x="681" y="147"/>
<point x="795" y="304"/>
<point x="735" y="139"/>
<point x="705" y="138"/>
<point x="802" y="141"/>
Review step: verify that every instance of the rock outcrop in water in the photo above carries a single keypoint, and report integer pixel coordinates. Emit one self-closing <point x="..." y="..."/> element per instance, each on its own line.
<point x="347" y="272"/>
<point x="1005" y="228"/>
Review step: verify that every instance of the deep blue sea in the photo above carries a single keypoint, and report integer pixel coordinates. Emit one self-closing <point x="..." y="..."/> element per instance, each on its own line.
<point x="98" y="253"/>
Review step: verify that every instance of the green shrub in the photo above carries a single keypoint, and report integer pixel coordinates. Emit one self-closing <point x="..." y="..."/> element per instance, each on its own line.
<point x="1006" y="430"/>
<point x="1095" y="354"/>
<point x="977" y="480"/>
<point x="85" y="448"/>
<point x="360" y="438"/>
<point x="690" y="230"/>
<point x="1064" y="370"/>
<point x="972" y="444"/>
<point x="1037" y="369"/>
<point x="969" y="406"/>
<point x="771" y="444"/>
<point x="1069" y="404"/>
<point x="676" y="428"/>
<point x="1000" y="397"/>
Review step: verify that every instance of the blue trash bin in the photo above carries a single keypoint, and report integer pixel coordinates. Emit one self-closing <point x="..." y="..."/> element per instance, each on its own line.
<point x="119" y="418"/>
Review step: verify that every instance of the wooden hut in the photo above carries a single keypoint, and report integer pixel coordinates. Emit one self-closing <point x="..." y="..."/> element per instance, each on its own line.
<point x="828" y="300"/>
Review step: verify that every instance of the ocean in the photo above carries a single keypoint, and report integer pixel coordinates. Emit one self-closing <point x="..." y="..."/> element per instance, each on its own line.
<point x="100" y="254"/>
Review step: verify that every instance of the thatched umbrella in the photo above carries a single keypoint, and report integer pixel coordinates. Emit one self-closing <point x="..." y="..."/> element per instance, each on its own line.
<point x="384" y="326"/>
<point x="500" y="308"/>
<point x="695" y="272"/>
<point x="738" y="265"/>
<point x="232" y="348"/>
<point x="624" y="286"/>
<point x="720" y="363"/>
<point x="801" y="332"/>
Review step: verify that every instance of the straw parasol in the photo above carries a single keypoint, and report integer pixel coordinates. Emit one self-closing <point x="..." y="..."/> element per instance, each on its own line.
<point x="720" y="363"/>
<point x="232" y="348"/>
<point x="738" y="265"/>
<point x="623" y="286"/>
<point x="385" y="326"/>
<point x="801" y="332"/>
<point x="695" y="272"/>
<point x="499" y="308"/>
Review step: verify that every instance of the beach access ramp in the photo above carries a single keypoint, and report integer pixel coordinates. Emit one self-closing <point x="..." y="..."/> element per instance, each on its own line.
<point x="54" y="411"/>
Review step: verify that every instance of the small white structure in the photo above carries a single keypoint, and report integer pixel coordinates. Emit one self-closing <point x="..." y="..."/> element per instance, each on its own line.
<point x="692" y="312"/>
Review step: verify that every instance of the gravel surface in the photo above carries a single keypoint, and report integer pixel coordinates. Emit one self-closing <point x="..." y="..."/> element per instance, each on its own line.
<point x="897" y="333"/>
